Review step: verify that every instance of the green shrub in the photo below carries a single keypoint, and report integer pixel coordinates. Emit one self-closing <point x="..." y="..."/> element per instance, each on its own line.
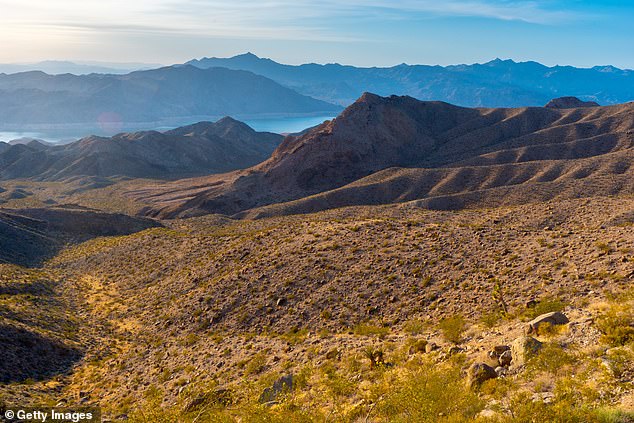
<point x="617" y="324"/>
<point x="415" y="326"/>
<point x="552" y="358"/>
<point x="256" y="365"/>
<point x="545" y="305"/>
<point x="367" y="329"/>
<point x="430" y="393"/>
<point x="490" y="320"/>
<point x="453" y="328"/>
<point x="610" y="415"/>
<point x="524" y="410"/>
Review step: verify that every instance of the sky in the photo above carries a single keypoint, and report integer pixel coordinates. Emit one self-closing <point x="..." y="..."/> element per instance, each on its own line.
<point x="358" y="32"/>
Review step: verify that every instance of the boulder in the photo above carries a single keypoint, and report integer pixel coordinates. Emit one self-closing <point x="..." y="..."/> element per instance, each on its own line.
<point x="505" y="358"/>
<point x="280" y="386"/>
<point x="501" y="371"/>
<point x="479" y="373"/>
<point x="431" y="347"/>
<point x="523" y="348"/>
<point x="553" y="318"/>
<point x="499" y="349"/>
<point x="454" y="350"/>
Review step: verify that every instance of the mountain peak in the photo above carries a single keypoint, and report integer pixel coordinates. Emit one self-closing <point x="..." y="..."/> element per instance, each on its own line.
<point x="498" y="61"/>
<point x="369" y="98"/>
<point x="247" y="56"/>
<point x="227" y="120"/>
<point x="569" y="103"/>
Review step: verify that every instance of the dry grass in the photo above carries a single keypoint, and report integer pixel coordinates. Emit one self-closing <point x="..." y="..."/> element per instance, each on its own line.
<point x="211" y="303"/>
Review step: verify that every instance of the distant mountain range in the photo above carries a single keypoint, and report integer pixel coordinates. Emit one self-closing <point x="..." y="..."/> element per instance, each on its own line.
<point x="56" y="67"/>
<point x="193" y="150"/>
<point x="397" y="149"/>
<point x="247" y="86"/>
<point x="165" y="95"/>
<point x="499" y="83"/>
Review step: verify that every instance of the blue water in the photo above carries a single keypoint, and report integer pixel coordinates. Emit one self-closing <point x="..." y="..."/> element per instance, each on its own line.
<point x="286" y="125"/>
<point x="277" y="125"/>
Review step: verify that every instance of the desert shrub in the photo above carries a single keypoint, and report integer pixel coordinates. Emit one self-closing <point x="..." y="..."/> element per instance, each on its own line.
<point x="575" y="391"/>
<point x="604" y="247"/>
<point x="368" y="329"/>
<point x="610" y="415"/>
<point x="335" y="382"/>
<point x="151" y="410"/>
<point x="431" y="393"/>
<point x="287" y="411"/>
<point x="617" y="324"/>
<point x="415" y="326"/>
<point x="552" y="358"/>
<point x="256" y="365"/>
<point x="453" y="328"/>
<point x="549" y="330"/>
<point x="564" y="409"/>
<point x="489" y="320"/>
<point x="523" y="409"/>
<point x="545" y="305"/>
<point x="620" y="360"/>
<point x="295" y="335"/>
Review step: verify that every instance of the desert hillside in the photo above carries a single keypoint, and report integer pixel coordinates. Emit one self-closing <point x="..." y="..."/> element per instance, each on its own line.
<point x="367" y="313"/>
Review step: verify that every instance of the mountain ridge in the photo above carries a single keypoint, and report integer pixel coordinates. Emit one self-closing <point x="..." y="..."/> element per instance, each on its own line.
<point x="497" y="83"/>
<point x="198" y="149"/>
<point x="377" y="133"/>
<point x="157" y="95"/>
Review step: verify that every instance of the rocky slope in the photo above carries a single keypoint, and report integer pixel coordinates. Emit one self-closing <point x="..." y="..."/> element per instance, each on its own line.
<point x="29" y="236"/>
<point x="382" y="150"/>
<point x="198" y="149"/>
<point x="370" y="310"/>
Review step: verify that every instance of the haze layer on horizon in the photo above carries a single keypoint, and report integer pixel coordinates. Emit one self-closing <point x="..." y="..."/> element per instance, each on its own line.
<point x="358" y="32"/>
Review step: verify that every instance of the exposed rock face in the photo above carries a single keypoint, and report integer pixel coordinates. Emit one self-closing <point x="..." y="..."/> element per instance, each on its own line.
<point x="554" y="318"/>
<point x="569" y="103"/>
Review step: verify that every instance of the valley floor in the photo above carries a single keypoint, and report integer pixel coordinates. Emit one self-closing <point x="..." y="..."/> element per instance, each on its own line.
<point x="358" y="314"/>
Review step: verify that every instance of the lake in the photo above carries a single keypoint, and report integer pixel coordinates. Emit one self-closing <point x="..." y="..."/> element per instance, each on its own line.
<point x="64" y="135"/>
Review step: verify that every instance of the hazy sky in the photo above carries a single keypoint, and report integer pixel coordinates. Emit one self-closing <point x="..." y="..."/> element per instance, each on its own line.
<point x="359" y="32"/>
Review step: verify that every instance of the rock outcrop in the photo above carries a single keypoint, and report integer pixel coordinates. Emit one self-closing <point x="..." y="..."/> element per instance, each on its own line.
<point x="569" y="103"/>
